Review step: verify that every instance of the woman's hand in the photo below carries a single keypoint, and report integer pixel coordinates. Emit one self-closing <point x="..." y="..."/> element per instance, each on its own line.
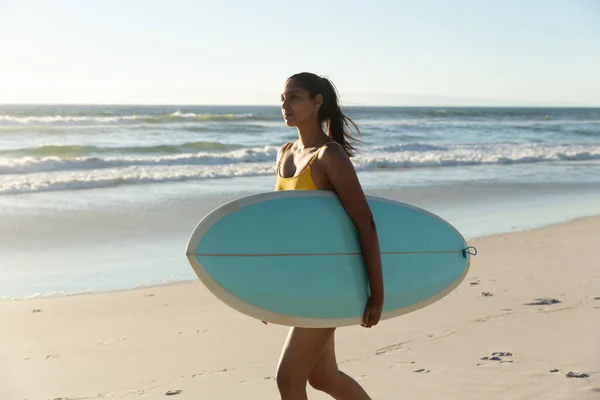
<point x="341" y="174"/>
<point x="372" y="312"/>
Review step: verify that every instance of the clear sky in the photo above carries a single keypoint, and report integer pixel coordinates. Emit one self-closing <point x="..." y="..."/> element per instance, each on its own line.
<point x="420" y="52"/>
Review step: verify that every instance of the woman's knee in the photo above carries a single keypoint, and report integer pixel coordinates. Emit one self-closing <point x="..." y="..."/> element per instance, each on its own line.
<point x="322" y="383"/>
<point x="289" y="379"/>
<point x="303" y="349"/>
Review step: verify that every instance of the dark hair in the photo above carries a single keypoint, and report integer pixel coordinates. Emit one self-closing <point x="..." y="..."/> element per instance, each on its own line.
<point x="337" y="123"/>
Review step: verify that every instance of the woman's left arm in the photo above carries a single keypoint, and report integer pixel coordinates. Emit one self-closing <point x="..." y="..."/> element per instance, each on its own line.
<point x="341" y="173"/>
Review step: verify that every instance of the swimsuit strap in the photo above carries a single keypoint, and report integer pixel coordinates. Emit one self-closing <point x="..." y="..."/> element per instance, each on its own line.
<point x="314" y="158"/>
<point x="285" y="150"/>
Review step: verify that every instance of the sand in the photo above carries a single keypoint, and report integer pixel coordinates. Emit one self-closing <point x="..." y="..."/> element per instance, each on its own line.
<point x="532" y="297"/>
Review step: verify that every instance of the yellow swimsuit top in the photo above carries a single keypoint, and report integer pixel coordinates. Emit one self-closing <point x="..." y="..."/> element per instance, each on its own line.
<point x="303" y="181"/>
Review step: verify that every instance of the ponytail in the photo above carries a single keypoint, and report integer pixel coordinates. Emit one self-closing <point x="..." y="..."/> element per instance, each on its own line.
<point x="337" y="123"/>
<point x="338" y="126"/>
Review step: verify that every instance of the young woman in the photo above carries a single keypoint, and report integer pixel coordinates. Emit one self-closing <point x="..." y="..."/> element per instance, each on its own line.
<point x="320" y="160"/>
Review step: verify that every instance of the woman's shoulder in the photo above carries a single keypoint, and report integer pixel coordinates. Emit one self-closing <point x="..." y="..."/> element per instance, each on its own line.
<point x="333" y="156"/>
<point x="332" y="150"/>
<point x="282" y="148"/>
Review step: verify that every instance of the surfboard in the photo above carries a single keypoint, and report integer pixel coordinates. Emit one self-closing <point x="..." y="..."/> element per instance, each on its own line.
<point x="293" y="258"/>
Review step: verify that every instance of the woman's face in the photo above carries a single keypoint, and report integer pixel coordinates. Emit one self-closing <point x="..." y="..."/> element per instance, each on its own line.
<point x="297" y="106"/>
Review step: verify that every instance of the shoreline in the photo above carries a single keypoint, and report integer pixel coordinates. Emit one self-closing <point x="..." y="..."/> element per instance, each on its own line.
<point x="196" y="280"/>
<point x="117" y="250"/>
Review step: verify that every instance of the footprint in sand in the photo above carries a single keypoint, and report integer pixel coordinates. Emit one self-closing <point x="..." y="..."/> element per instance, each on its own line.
<point x="543" y="302"/>
<point x="401" y="364"/>
<point x="36" y="311"/>
<point x="491" y="358"/>
<point x="497" y="356"/>
<point x="439" y="335"/>
<point x="390" y="349"/>
<point x="554" y="371"/>
<point x="486" y="294"/>
<point x="422" y="371"/>
<point x="173" y="392"/>
<point x="571" y="374"/>
<point x="197" y="331"/>
<point x="474" y="283"/>
<point x="266" y="378"/>
<point x="212" y="372"/>
<point x="489" y="317"/>
<point x="498" y="359"/>
<point x="49" y="356"/>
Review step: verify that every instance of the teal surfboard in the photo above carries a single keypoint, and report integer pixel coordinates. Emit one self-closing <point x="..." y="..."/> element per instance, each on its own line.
<point x="293" y="258"/>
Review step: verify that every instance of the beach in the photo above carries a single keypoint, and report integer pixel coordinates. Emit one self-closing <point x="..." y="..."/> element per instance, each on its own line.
<point x="97" y="298"/>
<point x="529" y="305"/>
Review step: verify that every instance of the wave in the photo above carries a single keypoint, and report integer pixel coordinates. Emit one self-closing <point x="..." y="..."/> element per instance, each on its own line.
<point x="66" y="151"/>
<point x="142" y="118"/>
<point x="399" y="156"/>
<point x="52" y="173"/>
<point x="416" y="147"/>
<point x="414" y="155"/>
<point x="28" y="165"/>
<point x="529" y="113"/>
<point x="416" y="123"/>
<point x="77" y="180"/>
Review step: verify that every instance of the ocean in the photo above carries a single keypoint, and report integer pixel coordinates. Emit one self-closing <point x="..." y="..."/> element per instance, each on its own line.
<point x="57" y="148"/>
<point x="96" y="198"/>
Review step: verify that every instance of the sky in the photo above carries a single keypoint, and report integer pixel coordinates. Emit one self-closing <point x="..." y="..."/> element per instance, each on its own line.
<point x="421" y="52"/>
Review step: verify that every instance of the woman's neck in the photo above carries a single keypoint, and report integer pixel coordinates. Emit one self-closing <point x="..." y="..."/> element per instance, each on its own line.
<point x="311" y="136"/>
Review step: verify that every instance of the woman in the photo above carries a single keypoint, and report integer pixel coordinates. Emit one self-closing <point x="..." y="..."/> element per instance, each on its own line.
<point x="320" y="160"/>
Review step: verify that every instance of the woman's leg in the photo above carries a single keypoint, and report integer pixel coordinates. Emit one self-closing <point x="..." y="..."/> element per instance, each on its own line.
<point x="301" y="351"/>
<point x="326" y="377"/>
